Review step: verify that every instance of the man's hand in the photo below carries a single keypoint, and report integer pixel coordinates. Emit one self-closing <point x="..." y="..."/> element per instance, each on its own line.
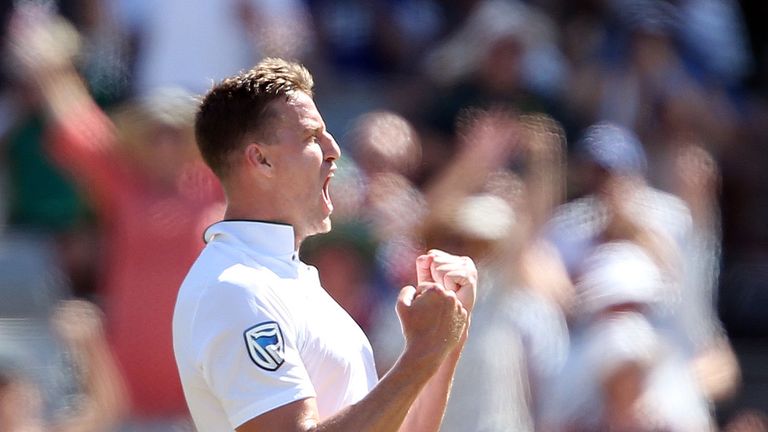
<point x="433" y="321"/>
<point x="455" y="273"/>
<point x="79" y="323"/>
<point x="41" y="43"/>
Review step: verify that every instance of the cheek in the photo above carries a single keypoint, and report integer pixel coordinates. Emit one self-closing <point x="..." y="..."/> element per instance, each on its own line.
<point x="300" y="174"/>
<point x="298" y="185"/>
<point x="307" y="160"/>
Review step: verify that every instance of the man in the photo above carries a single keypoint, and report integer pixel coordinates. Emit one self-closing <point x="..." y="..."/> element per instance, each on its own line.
<point x="152" y="195"/>
<point x="259" y="344"/>
<point x="623" y="207"/>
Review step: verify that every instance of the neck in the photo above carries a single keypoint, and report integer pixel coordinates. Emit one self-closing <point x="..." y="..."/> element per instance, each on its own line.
<point x="249" y="200"/>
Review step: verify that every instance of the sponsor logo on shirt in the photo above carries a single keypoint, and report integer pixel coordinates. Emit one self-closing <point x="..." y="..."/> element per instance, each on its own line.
<point x="265" y="345"/>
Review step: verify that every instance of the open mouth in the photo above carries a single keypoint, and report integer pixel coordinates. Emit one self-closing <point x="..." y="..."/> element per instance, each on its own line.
<point x="327" y="193"/>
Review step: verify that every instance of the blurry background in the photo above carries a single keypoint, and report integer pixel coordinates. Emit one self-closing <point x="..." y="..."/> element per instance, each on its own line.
<point x="602" y="160"/>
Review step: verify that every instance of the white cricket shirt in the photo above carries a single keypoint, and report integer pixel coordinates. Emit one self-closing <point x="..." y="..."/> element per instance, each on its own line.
<point x="253" y="330"/>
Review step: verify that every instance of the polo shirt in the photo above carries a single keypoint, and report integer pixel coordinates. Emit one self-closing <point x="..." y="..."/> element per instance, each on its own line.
<point x="253" y="330"/>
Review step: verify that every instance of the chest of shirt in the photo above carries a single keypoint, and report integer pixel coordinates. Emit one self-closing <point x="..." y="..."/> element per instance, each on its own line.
<point x="326" y="334"/>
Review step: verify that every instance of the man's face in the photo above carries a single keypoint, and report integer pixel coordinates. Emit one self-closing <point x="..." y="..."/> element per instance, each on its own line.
<point x="302" y="155"/>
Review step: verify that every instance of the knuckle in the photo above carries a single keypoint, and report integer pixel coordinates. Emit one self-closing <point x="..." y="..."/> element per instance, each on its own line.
<point x="453" y="299"/>
<point x="447" y="299"/>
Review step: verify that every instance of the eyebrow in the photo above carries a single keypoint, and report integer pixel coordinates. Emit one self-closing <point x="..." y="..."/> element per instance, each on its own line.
<point x="313" y="127"/>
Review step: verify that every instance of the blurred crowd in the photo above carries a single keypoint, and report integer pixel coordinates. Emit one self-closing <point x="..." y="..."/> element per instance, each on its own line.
<point x="603" y="161"/>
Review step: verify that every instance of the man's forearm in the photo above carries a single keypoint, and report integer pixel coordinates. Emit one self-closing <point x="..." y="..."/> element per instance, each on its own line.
<point x="405" y="400"/>
<point x="426" y="413"/>
<point x="382" y="410"/>
<point x="64" y="92"/>
<point x="387" y="406"/>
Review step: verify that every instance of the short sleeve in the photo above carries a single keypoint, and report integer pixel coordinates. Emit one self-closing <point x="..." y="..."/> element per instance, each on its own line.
<point x="247" y="351"/>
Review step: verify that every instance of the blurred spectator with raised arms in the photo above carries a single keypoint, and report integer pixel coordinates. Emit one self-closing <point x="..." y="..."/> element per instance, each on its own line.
<point x="698" y="364"/>
<point x="153" y="195"/>
<point x="480" y="207"/>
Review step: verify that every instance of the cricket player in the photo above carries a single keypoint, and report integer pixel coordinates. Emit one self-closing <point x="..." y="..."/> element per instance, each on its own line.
<point x="259" y="344"/>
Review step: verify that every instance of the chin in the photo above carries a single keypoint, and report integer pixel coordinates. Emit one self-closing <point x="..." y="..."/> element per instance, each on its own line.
<point x="326" y="226"/>
<point x="321" y="227"/>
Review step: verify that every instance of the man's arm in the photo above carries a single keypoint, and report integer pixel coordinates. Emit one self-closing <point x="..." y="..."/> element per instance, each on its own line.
<point x="457" y="274"/>
<point x="43" y="46"/>
<point x="105" y="401"/>
<point x="80" y="136"/>
<point x="426" y="413"/>
<point x="434" y="323"/>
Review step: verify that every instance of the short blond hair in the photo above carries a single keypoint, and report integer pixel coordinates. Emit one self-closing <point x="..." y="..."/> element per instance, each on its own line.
<point x="239" y="106"/>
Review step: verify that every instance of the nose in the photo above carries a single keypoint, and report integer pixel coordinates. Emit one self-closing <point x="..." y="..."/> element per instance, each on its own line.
<point x="332" y="150"/>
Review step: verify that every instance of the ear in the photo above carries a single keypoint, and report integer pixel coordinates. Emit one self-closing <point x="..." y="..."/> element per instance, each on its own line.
<point x="256" y="158"/>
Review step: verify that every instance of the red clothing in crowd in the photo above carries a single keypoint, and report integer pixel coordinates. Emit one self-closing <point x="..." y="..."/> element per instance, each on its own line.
<point x="152" y="235"/>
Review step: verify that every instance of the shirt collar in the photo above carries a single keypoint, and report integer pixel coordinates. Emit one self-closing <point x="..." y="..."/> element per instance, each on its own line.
<point x="264" y="238"/>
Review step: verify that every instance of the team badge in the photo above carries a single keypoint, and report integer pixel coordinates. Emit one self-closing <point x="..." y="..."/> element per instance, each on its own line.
<point x="265" y="345"/>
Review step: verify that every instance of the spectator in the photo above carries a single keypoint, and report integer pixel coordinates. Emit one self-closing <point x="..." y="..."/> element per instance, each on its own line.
<point x="623" y="207"/>
<point x="228" y="36"/>
<point x="387" y="151"/>
<point x="97" y="407"/>
<point x="504" y="54"/>
<point x="153" y="196"/>
<point x="521" y="337"/>
<point x="42" y="200"/>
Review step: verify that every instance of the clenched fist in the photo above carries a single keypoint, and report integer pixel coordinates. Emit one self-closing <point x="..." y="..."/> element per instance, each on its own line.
<point x="433" y="321"/>
<point x="454" y="273"/>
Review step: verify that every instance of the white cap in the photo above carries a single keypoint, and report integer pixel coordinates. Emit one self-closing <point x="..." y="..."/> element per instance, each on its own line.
<point x="484" y="217"/>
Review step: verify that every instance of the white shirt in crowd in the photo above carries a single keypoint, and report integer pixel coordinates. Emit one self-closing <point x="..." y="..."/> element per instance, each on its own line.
<point x="193" y="43"/>
<point x="253" y="330"/>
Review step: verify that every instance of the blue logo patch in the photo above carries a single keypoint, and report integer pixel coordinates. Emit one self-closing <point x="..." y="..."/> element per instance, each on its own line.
<point x="265" y="345"/>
